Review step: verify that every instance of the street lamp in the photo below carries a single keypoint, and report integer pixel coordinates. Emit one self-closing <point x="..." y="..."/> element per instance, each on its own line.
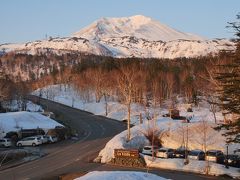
<point x="226" y="160"/>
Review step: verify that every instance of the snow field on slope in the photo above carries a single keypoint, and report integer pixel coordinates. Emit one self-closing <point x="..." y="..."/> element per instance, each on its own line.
<point x="69" y="96"/>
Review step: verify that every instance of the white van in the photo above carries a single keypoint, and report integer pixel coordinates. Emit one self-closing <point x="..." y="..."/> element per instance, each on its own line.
<point x="5" y="142"/>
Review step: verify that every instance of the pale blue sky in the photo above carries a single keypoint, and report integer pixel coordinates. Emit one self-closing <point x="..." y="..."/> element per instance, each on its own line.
<point x="26" y="20"/>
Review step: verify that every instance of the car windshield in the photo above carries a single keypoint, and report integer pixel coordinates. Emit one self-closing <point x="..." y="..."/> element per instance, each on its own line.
<point x="193" y="153"/>
<point x="147" y="148"/>
<point x="211" y="153"/>
<point x="180" y="151"/>
<point x="162" y="150"/>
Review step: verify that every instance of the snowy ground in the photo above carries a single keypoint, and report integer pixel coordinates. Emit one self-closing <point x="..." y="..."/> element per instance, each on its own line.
<point x="71" y="97"/>
<point x="14" y="121"/>
<point x="119" y="175"/>
<point x="175" y="130"/>
<point x="195" y="166"/>
<point x="173" y="137"/>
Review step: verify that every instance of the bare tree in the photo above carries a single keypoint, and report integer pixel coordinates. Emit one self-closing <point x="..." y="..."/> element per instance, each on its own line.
<point x="128" y="76"/>
<point x="204" y="136"/>
<point x="154" y="135"/>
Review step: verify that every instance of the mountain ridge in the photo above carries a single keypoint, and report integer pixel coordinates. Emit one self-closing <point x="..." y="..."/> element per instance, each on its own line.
<point x="135" y="36"/>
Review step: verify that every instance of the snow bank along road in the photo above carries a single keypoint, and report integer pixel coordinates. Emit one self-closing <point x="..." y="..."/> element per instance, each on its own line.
<point x="97" y="132"/>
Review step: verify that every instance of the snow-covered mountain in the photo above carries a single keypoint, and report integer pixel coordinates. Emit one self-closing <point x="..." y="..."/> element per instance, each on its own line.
<point x="137" y="36"/>
<point x="138" y="26"/>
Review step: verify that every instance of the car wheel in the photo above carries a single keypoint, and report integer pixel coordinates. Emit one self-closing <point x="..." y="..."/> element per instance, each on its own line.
<point x="33" y="144"/>
<point x="19" y="144"/>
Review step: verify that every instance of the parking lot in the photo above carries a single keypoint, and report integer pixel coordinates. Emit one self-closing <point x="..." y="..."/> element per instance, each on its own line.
<point x="215" y="156"/>
<point x="14" y="155"/>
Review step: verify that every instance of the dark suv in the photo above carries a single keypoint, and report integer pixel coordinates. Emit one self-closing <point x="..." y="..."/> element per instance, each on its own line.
<point x="233" y="160"/>
<point x="180" y="153"/>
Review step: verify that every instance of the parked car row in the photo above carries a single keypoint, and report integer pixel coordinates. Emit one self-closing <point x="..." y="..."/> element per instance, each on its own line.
<point x="29" y="141"/>
<point x="211" y="155"/>
<point x="37" y="140"/>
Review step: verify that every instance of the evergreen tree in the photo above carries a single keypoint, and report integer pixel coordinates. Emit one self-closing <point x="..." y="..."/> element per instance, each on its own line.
<point x="229" y="80"/>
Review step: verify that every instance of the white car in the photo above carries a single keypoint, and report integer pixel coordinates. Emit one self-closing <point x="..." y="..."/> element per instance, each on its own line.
<point x="52" y="139"/>
<point x="29" y="141"/>
<point x="44" y="138"/>
<point x="5" y="142"/>
<point x="165" y="153"/>
<point x="149" y="150"/>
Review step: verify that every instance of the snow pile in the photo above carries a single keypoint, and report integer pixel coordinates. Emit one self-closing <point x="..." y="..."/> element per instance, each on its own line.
<point x="137" y="36"/>
<point x="120" y="142"/>
<point x="16" y="106"/>
<point x="119" y="175"/>
<point x="15" y="121"/>
<point x="173" y="137"/>
<point x="195" y="166"/>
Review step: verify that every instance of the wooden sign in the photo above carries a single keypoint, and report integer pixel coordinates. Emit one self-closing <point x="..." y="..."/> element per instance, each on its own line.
<point x="127" y="153"/>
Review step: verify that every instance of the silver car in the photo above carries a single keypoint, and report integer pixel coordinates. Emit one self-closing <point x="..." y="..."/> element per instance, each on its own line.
<point x="29" y="141"/>
<point x="44" y="138"/>
<point x="165" y="153"/>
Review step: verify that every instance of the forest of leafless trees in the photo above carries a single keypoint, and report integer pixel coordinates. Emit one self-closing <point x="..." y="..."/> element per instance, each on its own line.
<point x="128" y="80"/>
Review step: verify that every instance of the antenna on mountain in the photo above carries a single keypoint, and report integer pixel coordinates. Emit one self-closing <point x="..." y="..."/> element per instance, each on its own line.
<point x="46" y="37"/>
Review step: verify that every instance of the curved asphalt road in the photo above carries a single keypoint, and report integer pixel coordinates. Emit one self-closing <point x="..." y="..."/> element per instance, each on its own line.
<point x="95" y="132"/>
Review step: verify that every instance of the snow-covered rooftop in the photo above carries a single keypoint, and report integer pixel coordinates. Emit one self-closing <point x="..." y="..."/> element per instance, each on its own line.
<point x="14" y="121"/>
